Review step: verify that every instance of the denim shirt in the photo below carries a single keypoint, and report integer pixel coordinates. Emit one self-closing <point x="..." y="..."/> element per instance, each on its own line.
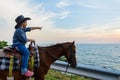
<point x="19" y="36"/>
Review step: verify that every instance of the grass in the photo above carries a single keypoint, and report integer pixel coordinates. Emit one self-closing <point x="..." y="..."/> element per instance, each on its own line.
<point x="57" y="75"/>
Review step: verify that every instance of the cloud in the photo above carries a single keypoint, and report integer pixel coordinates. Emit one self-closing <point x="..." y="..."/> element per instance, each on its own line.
<point x="99" y="4"/>
<point x="98" y="33"/>
<point x="39" y="8"/>
<point x="15" y="7"/>
<point x="64" y="14"/>
<point x="94" y="33"/>
<point x="3" y="23"/>
<point x="62" y="4"/>
<point x="40" y="17"/>
<point x="11" y="9"/>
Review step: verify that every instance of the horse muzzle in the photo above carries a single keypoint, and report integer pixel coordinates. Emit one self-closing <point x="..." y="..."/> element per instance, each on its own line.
<point x="72" y="63"/>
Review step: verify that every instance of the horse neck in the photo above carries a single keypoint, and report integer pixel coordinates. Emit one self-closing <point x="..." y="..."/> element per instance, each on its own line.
<point x="55" y="54"/>
<point x="52" y="54"/>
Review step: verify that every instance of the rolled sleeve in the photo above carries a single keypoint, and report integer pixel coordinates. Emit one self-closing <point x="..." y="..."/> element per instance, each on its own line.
<point x="28" y="29"/>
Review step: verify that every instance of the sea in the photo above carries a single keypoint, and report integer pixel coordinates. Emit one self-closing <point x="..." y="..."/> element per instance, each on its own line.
<point x="101" y="55"/>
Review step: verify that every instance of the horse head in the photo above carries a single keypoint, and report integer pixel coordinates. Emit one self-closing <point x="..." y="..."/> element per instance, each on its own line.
<point x="70" y="54"/>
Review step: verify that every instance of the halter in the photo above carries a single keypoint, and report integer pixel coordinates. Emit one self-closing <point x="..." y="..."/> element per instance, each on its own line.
<point x="71" y="53"/>
<point x="70" y="59"/>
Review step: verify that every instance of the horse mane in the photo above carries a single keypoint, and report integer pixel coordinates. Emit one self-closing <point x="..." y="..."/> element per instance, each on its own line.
<point x="56" y="45"/>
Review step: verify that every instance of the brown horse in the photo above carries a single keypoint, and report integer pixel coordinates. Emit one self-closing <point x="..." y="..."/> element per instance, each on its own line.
<point x="48" y="55"/>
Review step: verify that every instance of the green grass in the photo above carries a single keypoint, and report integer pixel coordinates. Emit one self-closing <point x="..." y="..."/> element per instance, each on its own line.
<point x="57" y="75"/>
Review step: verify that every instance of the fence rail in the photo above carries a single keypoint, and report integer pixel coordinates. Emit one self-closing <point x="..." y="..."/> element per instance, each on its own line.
<point x="88" y="71"/>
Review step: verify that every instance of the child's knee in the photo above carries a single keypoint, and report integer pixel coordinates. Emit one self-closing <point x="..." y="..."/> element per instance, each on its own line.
<point x="26" y="52"/>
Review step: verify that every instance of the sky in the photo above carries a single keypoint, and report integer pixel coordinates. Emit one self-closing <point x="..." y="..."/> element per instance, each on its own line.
<point x="82" y="21"/>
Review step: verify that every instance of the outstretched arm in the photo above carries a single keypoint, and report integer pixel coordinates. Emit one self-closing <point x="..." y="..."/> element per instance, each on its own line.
<point x="33" y="28"/>
<point x="30" y="40"/>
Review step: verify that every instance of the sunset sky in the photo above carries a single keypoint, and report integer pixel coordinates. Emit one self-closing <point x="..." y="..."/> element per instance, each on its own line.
<point x="84" y="21"/>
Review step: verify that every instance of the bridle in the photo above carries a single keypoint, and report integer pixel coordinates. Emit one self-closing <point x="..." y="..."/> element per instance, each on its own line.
<point x="72" y="52"/>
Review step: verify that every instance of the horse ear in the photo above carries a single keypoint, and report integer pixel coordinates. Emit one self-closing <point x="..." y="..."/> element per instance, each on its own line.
<point x="73" y="42"/>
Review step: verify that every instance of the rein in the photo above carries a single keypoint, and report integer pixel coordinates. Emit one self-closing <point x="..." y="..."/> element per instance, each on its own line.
<point x="51" y="55"/>
<point x="71" y="53"/>
<point x="68" y="65"/>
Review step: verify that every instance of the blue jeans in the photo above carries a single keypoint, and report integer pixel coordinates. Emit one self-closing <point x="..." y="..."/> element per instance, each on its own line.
<point x="25" y="56"/>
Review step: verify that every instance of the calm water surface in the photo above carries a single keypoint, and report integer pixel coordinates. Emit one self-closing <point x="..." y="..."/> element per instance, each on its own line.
<point x="103" y="55"/>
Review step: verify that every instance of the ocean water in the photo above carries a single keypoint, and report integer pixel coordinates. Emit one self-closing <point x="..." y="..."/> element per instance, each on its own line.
<point x="102" y="55"/>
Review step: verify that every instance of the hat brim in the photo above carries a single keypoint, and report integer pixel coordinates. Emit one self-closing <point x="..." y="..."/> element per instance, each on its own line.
<point x="27" y="18"/>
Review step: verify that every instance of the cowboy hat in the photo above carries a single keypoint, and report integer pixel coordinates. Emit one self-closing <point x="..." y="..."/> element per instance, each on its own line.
<point x="21" y="19"/>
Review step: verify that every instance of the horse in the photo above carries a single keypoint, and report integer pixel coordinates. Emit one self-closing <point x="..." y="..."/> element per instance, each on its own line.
<point x="48" y="55"/>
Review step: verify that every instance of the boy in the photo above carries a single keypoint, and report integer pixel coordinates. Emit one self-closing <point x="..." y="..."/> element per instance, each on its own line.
<point x="19" y="41"/>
